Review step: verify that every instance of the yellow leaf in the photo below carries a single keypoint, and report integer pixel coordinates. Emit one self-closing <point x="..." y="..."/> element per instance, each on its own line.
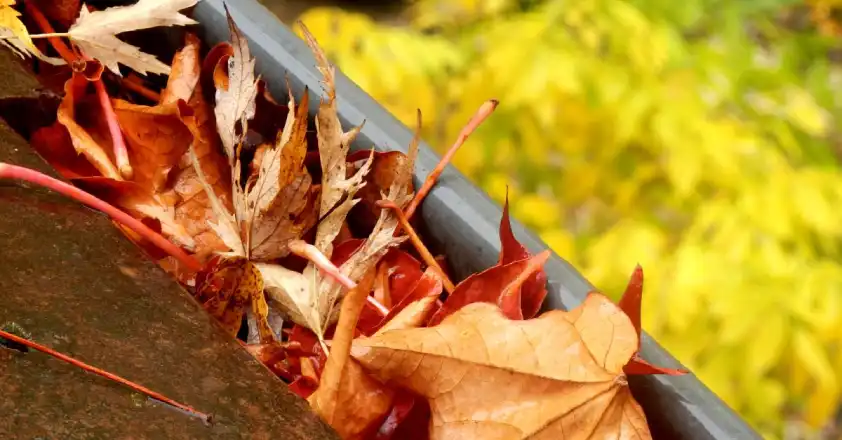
<point x="825" y="394"/>
<point x="767" y="345"/>
<point x="21" y="44"/>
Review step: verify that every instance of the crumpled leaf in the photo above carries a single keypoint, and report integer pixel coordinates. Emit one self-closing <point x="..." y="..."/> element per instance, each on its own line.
<point x="193" y="208"/>
<point x="83" y="142"/>
<point x="485" y="376"/>
<point x="156" y="138"/>
<point x="347" y="398"/>
<point x="95" y="32"/>
<point x="534" y="290"/>
<point x="21" y="44"/>
<point x="500" y="285"/>
<point x="226" y="290"/>
<point x="279" y="198"/>
<point x="235" y="103"/>
<point x="227" y="287"/>
<point x="88" y="134"/>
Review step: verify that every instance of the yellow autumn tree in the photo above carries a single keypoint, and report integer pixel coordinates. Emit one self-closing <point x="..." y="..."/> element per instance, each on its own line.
<point x="698" y="138"/>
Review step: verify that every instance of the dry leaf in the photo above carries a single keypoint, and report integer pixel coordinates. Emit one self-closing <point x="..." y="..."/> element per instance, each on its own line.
<point x="557" y="376"/>
<point x="277" y="203"/>
<point x="348" y="398"/>
<point x="54" y="144"/>
<point x="82" y="140"/>
<point x="227" y="288"/>
<point x="293" y="292"/>
<point x="338" y="190"/>
<point x="414" y="314"/>
<point x="235" y="103"/>
<point x="382" y="237"/>
<point x="192" y="206"/>
<point x="186" y="70"/>
<point x="156" y="138"/>
<point x="278" y="198"/>
<point x="95" y="32"/>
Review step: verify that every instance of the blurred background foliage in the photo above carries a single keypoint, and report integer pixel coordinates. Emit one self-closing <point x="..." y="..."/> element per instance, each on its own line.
<point x="699" y="138"/>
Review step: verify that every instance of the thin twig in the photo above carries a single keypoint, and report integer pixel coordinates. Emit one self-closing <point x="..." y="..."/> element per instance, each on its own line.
<point x="416" y="241"/>
<point x="481" y="115"/>
<point x="312" y="254"/>
<point x="139" y="88"/>
<point x="8" y="171"/>
<point x="107" y="375"/>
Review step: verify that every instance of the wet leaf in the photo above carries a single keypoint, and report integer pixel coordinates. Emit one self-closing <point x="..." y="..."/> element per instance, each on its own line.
<point x="559" y="375"/>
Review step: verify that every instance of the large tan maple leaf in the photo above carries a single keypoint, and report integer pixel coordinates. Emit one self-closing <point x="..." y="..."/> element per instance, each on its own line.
<point x="559" y="376"/>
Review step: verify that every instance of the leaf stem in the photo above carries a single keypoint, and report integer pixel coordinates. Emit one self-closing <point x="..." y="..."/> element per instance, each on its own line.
<point x="416" y="241"/>
<point x="312" y="254"/>
<point x="36" y="36"/>
<point x="119" y="143"/>
<point x="8" y="171"/>
<point x="105" y="374"/>
<point x="481" y="115"/>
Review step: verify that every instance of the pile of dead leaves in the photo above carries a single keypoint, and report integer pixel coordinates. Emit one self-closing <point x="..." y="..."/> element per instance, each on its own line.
<point x="306" y="252"/>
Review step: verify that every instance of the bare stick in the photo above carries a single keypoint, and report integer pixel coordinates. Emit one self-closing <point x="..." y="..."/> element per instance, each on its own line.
<point x="481" y="115"/>
<point x="105" y="374"/>
<point x="416" y="241"/>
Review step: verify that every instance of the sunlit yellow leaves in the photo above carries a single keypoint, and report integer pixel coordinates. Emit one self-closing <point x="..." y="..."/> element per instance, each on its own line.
<point x="824" y="395"/>
<point x="429" y="13"/>
<point x="768" y="345"/>
<point x="540" y="212"/>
